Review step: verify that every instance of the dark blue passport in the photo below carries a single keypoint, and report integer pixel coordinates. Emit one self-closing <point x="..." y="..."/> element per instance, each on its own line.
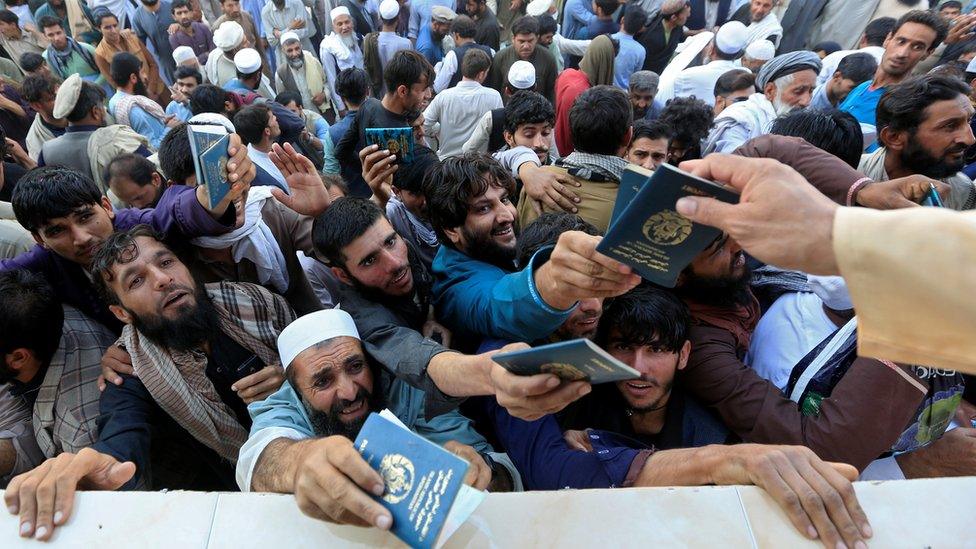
<point x="422" y="479"/>
<point x="208" y="144"/>
<point x="631" y="181"/>
<point x="653" y="238"/>
<point x="576" y="360"/>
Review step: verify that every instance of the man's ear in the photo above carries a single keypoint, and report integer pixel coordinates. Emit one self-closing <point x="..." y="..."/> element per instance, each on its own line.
<point x="120" y="312"/>
<point x="342" y="275"/>
<point x="133" y="78"/>
<point x="454" y="235"/>
<point x="510" y="139"/>
<point x="18" y="359"/>
<point x="892" y="140"/>
<point x="402" y="91"/>
<point x="770" y="91"/>
<point x="107" y="205"/>
<point x="156" y="180"/>
<point x="683" y="355"/>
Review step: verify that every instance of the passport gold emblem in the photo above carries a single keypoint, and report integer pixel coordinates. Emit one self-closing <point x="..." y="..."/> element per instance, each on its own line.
<point x="563" y="371"/>
<point x="667" y="228"/>
<point x="397" y="472"/>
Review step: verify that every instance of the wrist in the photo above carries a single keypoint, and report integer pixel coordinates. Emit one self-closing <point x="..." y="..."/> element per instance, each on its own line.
<point x="548" y="288"/>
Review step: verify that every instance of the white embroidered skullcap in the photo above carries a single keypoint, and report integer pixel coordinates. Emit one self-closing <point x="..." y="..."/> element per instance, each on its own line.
<point x="183" y="53"/>
<point x="312" y="329"/>
<point x="522" y="75"/>
<point x="247" y="61"/>
<point x="339" y="11"/>
<point x="731" y="38"/>
<point x="538" y="7"/>
<point x="389" y="9"/>
<point x="228" y="35"/>
<point x="288" y="37"/>
<point x="761" y="50"/>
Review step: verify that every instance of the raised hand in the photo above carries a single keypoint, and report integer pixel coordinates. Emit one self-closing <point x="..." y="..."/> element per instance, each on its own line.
<point x="308" y="195"/>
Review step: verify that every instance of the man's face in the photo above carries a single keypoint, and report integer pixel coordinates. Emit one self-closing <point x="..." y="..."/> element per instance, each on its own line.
<point x="939" y="145"/>
<point x="439" y="29"/>
<point x="186" y="85"/>
<point x="342" y="25"/>
<point x="273" y="126"/>
<point x="416" y="95"/>
<point x="545" y="40"/>
<point x="641" y="101"/>
<point x="418" y="129"/>
<point x="56" y="3"/>
<point x="718" y="275"/>
<point x="906" y="48"/>
<point x="682" y="17"/>
<point x="648" y="153"/>
<point x="293" y="107"/>
<point x="415" y="202"/>
<point x="10" y="30"/>
<point x="948" y="13"/>
<point x="134" y="195"/>
<point x="378" y="260"/>
<point x="795" y="95"/>
<point x="759" y="9"/>
<point x="656" y="366"/>
<point x="677" y="151"/>
<point x="473" y="7"/>
<point x="524" y="45"/>
<point x="335" y="384"/>
<point x="839" y="87"/>
<point x="489" y="230"/>
<point x="722" y="103"/>
<point x="231" y="8"/>
<point x="110" y="29"/>
<point x="75" y="236"/>
<point x="183" y="16"/>
<point x="293" y="50"/>
<point x="46" y="104"/>
<point x="582" y="323"/>
<point x="536" y="136"/>
<point x="55" y="35"/>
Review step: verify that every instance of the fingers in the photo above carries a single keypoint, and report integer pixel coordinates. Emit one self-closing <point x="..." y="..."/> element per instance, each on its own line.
<point x="518" y="386"/>
<point x="350" y="463"/>
<point x="769" y="478"/>
<point x="561" y="198"/>
<point x="259" y="385"/>
<point x="283" y="160"/>
<point x="554" y="401"/>
<point x="483" y="473"/>
<point x="828" y="496"/>
<point x="706" y="211"/>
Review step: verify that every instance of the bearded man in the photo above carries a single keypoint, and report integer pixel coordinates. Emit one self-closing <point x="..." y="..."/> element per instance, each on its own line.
<point x="303" y="74"/>
<point x="340" y="50"/>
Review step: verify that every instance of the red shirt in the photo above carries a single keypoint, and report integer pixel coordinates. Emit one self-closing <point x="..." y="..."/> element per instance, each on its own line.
<point x="570" y="84"/>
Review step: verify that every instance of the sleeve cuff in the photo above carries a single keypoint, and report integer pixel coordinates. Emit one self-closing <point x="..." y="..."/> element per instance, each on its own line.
<point x="537" y="260"/>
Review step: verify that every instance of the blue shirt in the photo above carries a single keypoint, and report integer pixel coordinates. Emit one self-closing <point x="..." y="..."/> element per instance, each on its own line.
<point x="629" y="59"/>
<point x="181" y="111"/>
<point x="819" y="99"/>
<point x="141" y="121"/>
<point x="577" y="16"/>
<point x="420" y="14"/>
<point x="862" y="103"/>
<point x="426" y="46"/>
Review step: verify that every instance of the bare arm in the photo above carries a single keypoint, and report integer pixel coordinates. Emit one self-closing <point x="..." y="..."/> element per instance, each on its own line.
<point x="8" y="456"/>
<point x="275" y="469"/>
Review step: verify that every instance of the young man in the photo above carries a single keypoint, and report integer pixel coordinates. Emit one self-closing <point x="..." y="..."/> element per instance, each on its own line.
<point x="690" y="119"/>
<point x="732" y="87"/>
<point x="448" y="72"/>
<point x="488" y="134"/>
<point x="663" y="34"/>
<point x="39" y="91"/>
<point x="130" y="106"/>
<point x="229" y="39"/>
<point x="76" y="20"/>
<point x="135" y="181"/>
<point x="200" y="354"/>
<point x="151" y="24"/>
<point x="16" y="41"/>
<point x="187" y="80"/>
<point x="487" y="28"/>
<point x="352" y="88"/>
<point x="912" y="39"/>
<point x="281" y="16"/>
<point x="51" y="360"/>
<point x="477" y="290"/>
<point x="630" y="58"/>
<point x="66" y="56"/>
<point x="649" y="144"/>
<point x="315" y="125"/>
<point x="431" y="36"/>
<point x="251" y="82"/>
<point x="259" y="129"/>
<point x="190" y="33"/>
<point x="459" y="109"/>
<point x="379" y="47"/>
<point x="851" y="72"/>
<point x="604" y="22"/>
<point x="302" y="73"/>
<point x="525" y="46"/>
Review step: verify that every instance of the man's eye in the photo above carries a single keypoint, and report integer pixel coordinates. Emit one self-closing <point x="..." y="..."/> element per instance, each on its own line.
<point x="135" y="282"/>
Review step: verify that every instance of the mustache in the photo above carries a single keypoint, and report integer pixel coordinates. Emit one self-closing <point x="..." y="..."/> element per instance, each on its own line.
<point x="342" y="403"/>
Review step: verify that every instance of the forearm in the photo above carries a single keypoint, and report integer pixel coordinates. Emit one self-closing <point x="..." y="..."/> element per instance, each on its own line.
<point x="8" y="456"/>
<point x="459" y="375"/>
<point x="277" y="466"/>
<point x="681" y="467"/>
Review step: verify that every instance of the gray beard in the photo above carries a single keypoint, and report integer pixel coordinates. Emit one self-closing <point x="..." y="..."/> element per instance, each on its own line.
<point x="297" y="63"/>
<point x="349" y="41"/>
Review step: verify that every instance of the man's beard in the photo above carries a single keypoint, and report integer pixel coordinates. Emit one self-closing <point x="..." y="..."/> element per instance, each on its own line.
<point x="656" y="405"/>
<point x="150" y="2"/>
<point x="349" y="40"/>
<point x="194" y="326"/>
<point x="326" y="424"/>
<point x="187" y="24"/>
<point x="297" y="62"/>
<point x="724" y="291"/>
<point x="781" y="107"/>
<point x="640" y="112"/>
<point x="140" y="88"/>
<point x="484" y="248"/>
<point x="919" y="161"/>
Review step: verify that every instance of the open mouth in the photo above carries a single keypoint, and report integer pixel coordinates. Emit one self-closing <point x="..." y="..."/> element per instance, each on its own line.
<point x="588" y="321"/>
<point x="401" y="278"/>
<point x="175" y="298"/>
<point x="354" y="408"/>
<point x="508" y="230"/>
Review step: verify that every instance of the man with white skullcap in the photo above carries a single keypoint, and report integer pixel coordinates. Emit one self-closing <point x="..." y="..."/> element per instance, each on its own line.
<point x="340" y="50"/>
<point x="757" y="53"/>
<point x="785" y="83"/>
<point x="249" y="77"/>
<point x="231" y="11"/>
<point x="229" y="39"/>
<point x="379" y="47"/>
<point x="725" y="48"/>
<point x="307" y="426"/>
<point x="302" y="73"/>
<point x="487" y="135"/>
<point x="281" y="16"/>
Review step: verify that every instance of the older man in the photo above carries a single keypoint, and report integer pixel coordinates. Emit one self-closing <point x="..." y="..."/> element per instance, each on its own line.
<point x="786" y="82"/>
<point x="643" y="87"/>
<point x="302" y="73"/>
<point x="340" y="50"/>
<point x="229" y="39"/>
<point x="431" y="37"/>
<point x="281" y="16"/>
<point x="763" y="23"/>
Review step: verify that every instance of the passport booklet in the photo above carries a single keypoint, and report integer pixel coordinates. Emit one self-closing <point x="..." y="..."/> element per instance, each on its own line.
<point x="209" y="143"/>
<point x="647" y="233"/>
<point x="425" y="490"/>
<point x="576" y="360"/>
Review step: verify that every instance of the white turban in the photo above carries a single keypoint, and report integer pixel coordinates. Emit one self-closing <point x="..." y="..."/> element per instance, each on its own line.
<point x="312" y="329"/>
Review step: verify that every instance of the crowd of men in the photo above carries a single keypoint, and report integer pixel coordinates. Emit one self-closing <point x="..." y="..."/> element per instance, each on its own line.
<point x="151" y="339"/>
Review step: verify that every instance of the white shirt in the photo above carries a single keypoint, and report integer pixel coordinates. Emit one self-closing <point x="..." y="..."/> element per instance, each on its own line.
<point x="262" y="159"/>
<point x="699" y="81"/>
<point x="458" y="111"/>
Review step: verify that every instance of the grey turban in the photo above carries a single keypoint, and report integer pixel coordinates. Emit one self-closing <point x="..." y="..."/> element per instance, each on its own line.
<point x="786" y="64"/>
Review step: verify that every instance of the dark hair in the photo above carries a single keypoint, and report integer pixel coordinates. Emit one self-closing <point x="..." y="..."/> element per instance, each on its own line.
<point x="525" y="25"/>
<point x="208" y="98"/>
<point x="352" y="85"/>
<point x="474" y="63"/>
<point x="831" y="130"/>
<point x="634" y="20"/>
<point x="646" y="315"/>
<point x="547" y="24"/>
<point x="608" y="6"/>
<point x="464" y="26"/>
<point x="528" y="107"/>
<point x="878" y="29"/>
<point x="410" y="177"/>
<point x="45" y="193"/>
<point x="928" y="18"/>
<point x="599" y="120"/>
<point x="32" y="317"/>
<point x="179" y="4"/>
<point x="9" y="17"/>
<point x="184" y="71"/>
<point x="457" y="180"/>
<point x="31" y="61"/>
<point x="651" y="129"/>
<point x="48" y="21"/>
<point x="341" y="224"/>
<point x="176" y="156"/>
<point x="689" y="117"/>
<point x="858" y="67"/>
<point x="124" y="65"/>
<point x="251" y="121"/>
<point x="133" y="166"/>
<point x="545" y="231"/>
<point x="286" y="97"/>
<point x="902" y="107"/>
<point x="949" y="4"/>
<point x="100" y="13"/>
<point x="827" y="46"/>
<point x="119" y="248"/>
<point x="734" y="80"/>
<point x="89" y="97"/>
<point x="35" y="86"/>
<point x="406" y="68"/>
